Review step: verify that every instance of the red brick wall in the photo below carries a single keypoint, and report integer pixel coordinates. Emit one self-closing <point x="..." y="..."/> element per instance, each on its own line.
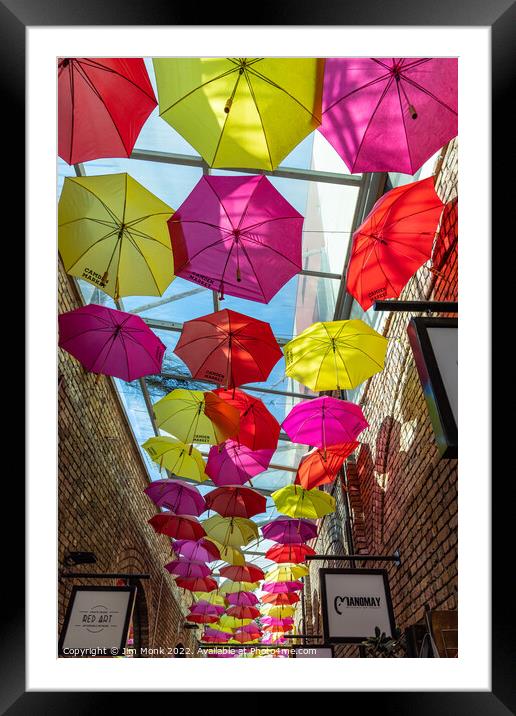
<point x="102" y="507"/>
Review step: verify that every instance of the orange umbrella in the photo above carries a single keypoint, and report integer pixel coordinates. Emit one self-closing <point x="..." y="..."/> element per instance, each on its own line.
<point x="317" y="469"/>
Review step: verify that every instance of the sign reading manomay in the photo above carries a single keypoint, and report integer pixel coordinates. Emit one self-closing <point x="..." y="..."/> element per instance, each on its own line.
<point x="354" y="602"/>
<point x="97" y="618"/>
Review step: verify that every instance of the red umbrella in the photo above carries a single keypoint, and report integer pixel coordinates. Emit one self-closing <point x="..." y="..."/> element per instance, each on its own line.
<point x="102" y="105"/>
<point x="228" y="348"/>
<point x="289" y="553"/>
<point x="258" y="429"/>
<point x="243" y="612"/>
<point x="246" y="573"/>
<point x="315" y="469"/>
<point x="202" y="618"/>
<point x="393" y="242"/>
<point x="236" y="501"/>
<point x="287" y="598"/>
<point x="201" y="584"/>
<point x="178" y="526"/>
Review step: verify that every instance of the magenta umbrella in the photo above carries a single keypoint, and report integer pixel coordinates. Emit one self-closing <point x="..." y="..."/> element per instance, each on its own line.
<point x="215" y="636"/>
<point x="389" y="114"/>
<point x="203" y="607"/>
<point x="242" y="599"/>
<point x="234" y="464"/>
<point x="325" y="421"/>
<point x="178" y="496"/>
<point x="237" y="235"/>
<point x="282" y="587"/>
<point x="274" y="621"/>
<point x="186" y="568"/>
<point x="286" y="530"/>
<point x="250" y="628"/>
<point x="202" y="550"/>
<point x="111" y="342"/>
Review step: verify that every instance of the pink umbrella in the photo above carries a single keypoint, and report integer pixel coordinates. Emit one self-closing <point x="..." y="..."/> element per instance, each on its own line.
<point x="282" y="587"/>
<point x="215" y="636"/>
<point x="389" y="114"/>
<point x="186" y="568"/>
<point x="242" y="599"/>
<point x="286" y="530"/>
<point x="202" y="550"/>
<point x="111" y="342"/>
<point x="237" y="235"/>
<point x="234" y="464"/>
<point x="250" y="628"/>
<point x="178" y="496"/>
<point x="203" y="607"/>
<point x="324" y="421"/>
<point x="274" y="621"/>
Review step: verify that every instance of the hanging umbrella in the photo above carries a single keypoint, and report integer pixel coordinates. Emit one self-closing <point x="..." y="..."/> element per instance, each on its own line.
<point x="102" y="105"/>
<point x="228" y="622"/>
<point x="197" y="584"/>
<point x="278" y="600"/>
<point x="206" y="607"/>
<point x="186" y="568"/>
<point x="113" y="234"/>
<point x="243" y="612"/>
<point x="202" y="550"/>
<point x="279" y="628"/>
<point x="233" y="531"/>
<point x="250" y="628"/>
<point x="241" y="112"/>
<point x="111" y="342"/>
<point x="229" y="554"/>
<point x="234" y="464"/>
<point x="389" y="114"/>
<point x="394" y="241"/>
<point x="324" y="422"/>
<point x="242" y="599"/>
<point x="280" y="611"/>
<point x="295" y="501"/>
<point x="196" y="417"/>
<point x="284" y="553"/>
<point x="177" y="526"/>
<point x="246" y="573"/>
<point x="202" y="618"/>
<point x="289" y="531"/>
<point x="230" y="587"/>
<point x="244" y="637"/>
<point x="210" y="597"/>
<point x="177" y="496"/>
<point x="335" y="354"/>
<point x="286" y="573"/>
<point x="215" y="636"/>
<point x="274" y="621"/>
<point x="238" y="236"/>
<point x="281" y="587"/>
<point x="229" y="348"/>
<point x="317" y="469"/>
<point x="258" y="429"/>
<point x="175" y="456"/>
<point x="236" y="501"/>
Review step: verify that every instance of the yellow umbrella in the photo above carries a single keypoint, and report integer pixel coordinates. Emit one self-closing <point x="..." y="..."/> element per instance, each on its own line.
<point x="113" y="233"/>
<point x="211" y="597"/>
<point x="231" y="555"/>
<point x="241" y="111"/>
<point x="335" y="355"/>
<point x="196" y="417"/>
<point x="173" y="455"/>
<point x="286" y="573"/>
<point x="230" y="587"/>
<point x="295" y="501"/>
<point x="278" y="611"/>
<point x="232" y="531"/>
<point x="226" y="621"/>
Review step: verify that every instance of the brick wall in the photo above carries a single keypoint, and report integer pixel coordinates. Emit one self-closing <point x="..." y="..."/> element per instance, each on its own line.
<point x="401" y="494"/>
<point x="102" y="507"/>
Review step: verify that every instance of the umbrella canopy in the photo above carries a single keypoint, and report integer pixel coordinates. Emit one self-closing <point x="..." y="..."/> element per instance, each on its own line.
<point x="205" y="607"/>
<point x="210" y="597"/>
<point x="274" y="621"/>
<point x="230" y="587"/>
<point x="229" y="348"/>
<point x="250" y="628"/>
<point x="202" y="618"/>
<point x="186" y="568"/>
<point x="215" y="636"/>
<point x="280" y="611"/>
<point x="173" y="455"/>
<point x="113" y="234"/>
<point x="102" y="105"/>
<point x="236" y="501"/>
<point x="177" y="526"/>
<point x="316" y="468"/>
<point x="247" y="573"/>
<point x="243" y="612"/>
<point x="278" y="600"/>
<point x="324" y="422"/>
<point x="177" y="496"/>
<point x="279" y="628"/>
<point x="394" y="241"/>
<point x="335" y="354"/>
<point x="247" y="637"/>
<point x="243" y="599"/>
<point x="229" y="554"/>
<point x="389" y="114"/>
<point x="241" y="112"/>
<point x="289" y="531"/>
<point x="258" y="429"/>
<point x="281" y="587"/>
<point x="196" y="417"/>
<point x="238" y="236"/>
<point x="286" y="573"/>
<point x="233" y="531"/>
<point x="228" y="622"/>
<point x="202" y="550"/>
<point x="234" y="464"/>
<point x="197" y="584"/>
<point x="288" y="553"/>
<point x="111" y="342"/>
<point x="295" y="501"/>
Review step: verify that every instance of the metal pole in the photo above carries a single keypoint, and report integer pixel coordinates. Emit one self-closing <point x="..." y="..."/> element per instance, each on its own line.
<point x="358" y="557"/>
<point x="95" y="575"/>
<point x="418" y="306"/>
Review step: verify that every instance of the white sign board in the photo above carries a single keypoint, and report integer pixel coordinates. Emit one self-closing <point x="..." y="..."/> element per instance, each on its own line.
<point x="354" y="602"/>
<point x="97" y="618"/>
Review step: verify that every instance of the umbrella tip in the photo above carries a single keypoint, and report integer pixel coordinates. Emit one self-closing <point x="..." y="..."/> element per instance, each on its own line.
<point x="228" y="104"/>
<point x="412" y="111"/>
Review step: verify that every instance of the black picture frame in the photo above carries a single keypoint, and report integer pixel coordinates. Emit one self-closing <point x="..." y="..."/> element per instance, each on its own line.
<point x="76" y="589"/>
<point x="500" y="17"/>
<point x="441" y="413"/>
<point x="324" y="612"/>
